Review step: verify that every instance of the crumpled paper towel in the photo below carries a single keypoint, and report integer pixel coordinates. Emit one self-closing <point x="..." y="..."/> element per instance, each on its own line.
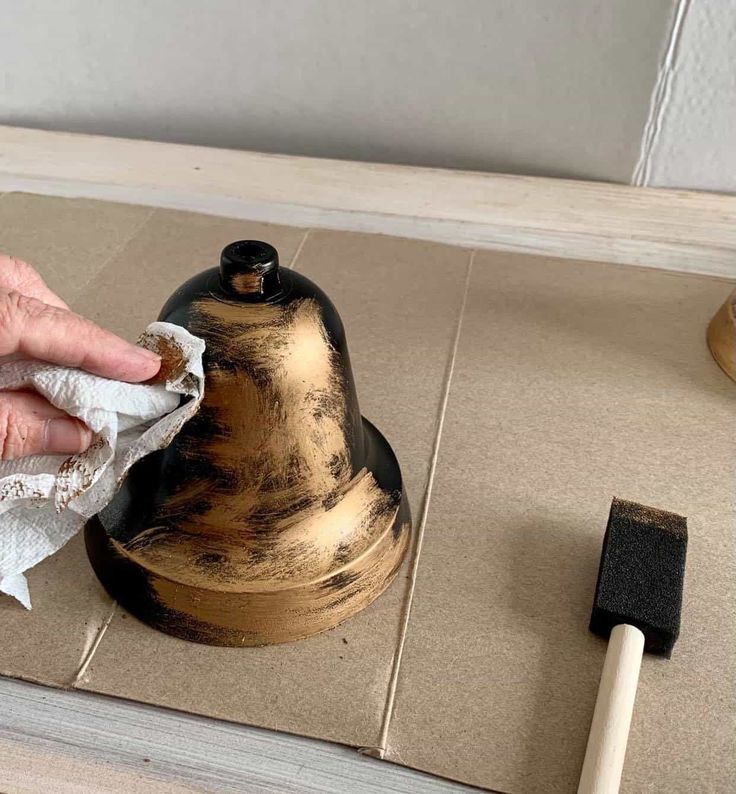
<point x="46" y="499"/>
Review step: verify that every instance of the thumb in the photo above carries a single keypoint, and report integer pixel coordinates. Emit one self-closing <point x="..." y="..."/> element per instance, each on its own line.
<point x="30" y="425"/>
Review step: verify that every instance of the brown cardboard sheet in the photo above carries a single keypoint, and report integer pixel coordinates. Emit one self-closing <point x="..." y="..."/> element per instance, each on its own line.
<point x="69" y="241"/>
<point x="573" y="382"/>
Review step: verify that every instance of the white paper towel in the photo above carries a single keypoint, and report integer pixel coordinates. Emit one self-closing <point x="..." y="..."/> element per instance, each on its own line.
<point x="46" y="499"/>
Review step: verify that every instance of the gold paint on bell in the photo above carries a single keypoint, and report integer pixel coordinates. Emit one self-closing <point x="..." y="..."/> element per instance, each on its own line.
<point x="278" y="511"/>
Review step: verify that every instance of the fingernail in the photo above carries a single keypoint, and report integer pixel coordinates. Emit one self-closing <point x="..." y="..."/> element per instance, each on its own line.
<point x="65" y="436"/>
<point x="149" y="355"/>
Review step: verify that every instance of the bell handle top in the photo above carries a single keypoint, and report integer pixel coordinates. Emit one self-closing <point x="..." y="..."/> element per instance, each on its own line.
<point x="249" y="270"/>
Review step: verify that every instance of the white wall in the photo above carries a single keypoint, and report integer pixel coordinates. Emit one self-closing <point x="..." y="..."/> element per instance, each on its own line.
<point x="622" y="90"/>
<point x="556" y="87"/>
<point x="694" y="144"/>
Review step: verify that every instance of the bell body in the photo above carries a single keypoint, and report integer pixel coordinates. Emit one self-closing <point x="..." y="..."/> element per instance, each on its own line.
<point x="277" y="511"/>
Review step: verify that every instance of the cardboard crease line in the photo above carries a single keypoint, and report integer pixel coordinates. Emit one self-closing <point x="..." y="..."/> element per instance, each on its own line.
<point x="380" y="750"/>
<point x="299" y="250"/>
<point x="123" y="244"/>
<point x="87" y="657"/>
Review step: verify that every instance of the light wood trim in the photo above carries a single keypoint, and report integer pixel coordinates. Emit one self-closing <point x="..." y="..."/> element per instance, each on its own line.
<point x="677" y="230"/>
<point x="71" y="742"/>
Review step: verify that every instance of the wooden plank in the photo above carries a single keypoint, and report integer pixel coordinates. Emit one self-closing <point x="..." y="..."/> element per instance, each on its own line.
<point x="74" y="742"/>
<point x="670" y="229"/>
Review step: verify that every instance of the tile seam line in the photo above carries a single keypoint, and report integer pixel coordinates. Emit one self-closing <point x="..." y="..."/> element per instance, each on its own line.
<point x="87" y="658"/>
<point x="398" y="658"/>
<point x="659" y="101"/>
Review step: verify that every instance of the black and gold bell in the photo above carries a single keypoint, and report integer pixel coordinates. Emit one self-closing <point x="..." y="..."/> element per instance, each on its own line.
<point x="278" y="511"/>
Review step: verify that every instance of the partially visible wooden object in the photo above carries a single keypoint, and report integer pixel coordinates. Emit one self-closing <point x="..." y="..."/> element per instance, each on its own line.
<point x="669" y="229"/>
<point x="609" y="731"/>
<point x="722" y="336"/>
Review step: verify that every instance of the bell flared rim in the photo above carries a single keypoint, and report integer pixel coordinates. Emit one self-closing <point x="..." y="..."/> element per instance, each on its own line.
<point x="280" y="611"/>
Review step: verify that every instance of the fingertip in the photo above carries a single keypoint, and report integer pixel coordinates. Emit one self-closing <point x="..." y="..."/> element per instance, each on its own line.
<point x="139" y="365"/>
<point x="150" y="362"/>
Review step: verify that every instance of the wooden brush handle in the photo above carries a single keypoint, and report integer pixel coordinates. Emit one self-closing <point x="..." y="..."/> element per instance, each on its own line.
<point x="609" y="731"/>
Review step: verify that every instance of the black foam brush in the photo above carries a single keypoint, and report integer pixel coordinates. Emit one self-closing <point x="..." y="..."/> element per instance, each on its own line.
<point x="637" y="605"/>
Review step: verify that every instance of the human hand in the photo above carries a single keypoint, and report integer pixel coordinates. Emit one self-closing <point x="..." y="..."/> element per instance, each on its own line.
<point x="35" y="323"/>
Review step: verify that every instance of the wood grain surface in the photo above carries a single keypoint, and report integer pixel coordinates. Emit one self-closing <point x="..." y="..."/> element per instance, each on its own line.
<point x="670" y="229"/>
